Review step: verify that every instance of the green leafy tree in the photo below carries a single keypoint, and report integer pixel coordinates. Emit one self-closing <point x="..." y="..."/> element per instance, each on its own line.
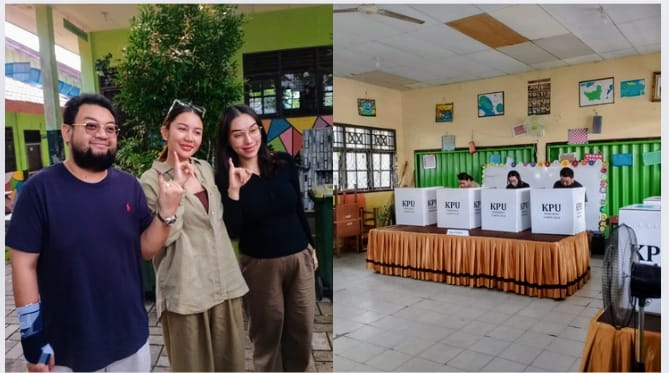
<point x="176" y="51"/>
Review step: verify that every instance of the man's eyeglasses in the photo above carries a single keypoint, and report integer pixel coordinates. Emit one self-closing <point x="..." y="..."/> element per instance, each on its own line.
<point x="92" y="128"/>
<point x="199" y="110"/>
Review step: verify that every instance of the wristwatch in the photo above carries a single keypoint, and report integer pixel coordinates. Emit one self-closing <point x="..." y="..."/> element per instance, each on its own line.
<point x="170" y="220"/>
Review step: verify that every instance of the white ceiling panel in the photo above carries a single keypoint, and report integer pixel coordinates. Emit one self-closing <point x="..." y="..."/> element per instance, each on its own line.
<point x="499" y="61"/>
<point x="450" y="39"/>
<point x="623" y="13"/>
<point x="442" y="13"/>
<point x="527" y="53"/>
<point x="634" y="31"/>
<point x="563" y="35"/>
<point x="529" y="20"/>
<point x="564" y="46"/>
<point x="549" y="65"/>
<point x="583" y="59"/>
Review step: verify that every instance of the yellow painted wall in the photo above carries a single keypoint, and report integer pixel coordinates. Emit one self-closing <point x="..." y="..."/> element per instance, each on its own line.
<point x="413" y="112"/>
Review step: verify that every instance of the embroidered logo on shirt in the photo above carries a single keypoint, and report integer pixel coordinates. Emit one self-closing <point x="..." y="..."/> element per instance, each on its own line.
<point x="127" y="207"/>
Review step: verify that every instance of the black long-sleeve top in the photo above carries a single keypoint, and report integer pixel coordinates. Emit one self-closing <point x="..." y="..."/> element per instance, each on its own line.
<point x="269" y="217"/>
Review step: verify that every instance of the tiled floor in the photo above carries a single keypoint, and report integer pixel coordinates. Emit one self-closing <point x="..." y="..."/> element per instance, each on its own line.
<point x="321" y="343"/>
<point x="387" y="323"/>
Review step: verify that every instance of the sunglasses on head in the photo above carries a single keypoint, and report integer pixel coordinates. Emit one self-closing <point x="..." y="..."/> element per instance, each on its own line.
<point x="199" y="110"/>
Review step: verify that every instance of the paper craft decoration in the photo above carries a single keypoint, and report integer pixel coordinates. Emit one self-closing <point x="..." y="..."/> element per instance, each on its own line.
<point x="495" y="158"/>
<point x="623" y="159"/>
<point x="519" y="130"/>
<point x="652" y="158"/>
<point x="577" y="136"/>
<point x="594" y="156"/>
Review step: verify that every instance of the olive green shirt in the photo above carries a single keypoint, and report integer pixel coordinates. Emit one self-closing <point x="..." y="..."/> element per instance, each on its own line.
<point x="197" y="269"/>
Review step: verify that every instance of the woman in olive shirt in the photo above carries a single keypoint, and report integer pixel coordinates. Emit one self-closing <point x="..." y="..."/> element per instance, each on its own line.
<point x="199" y="283"/>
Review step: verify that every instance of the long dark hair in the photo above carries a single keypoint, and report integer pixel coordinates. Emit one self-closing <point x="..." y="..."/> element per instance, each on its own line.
<point x="267" y="162"/>
<point x="514" y="173"/>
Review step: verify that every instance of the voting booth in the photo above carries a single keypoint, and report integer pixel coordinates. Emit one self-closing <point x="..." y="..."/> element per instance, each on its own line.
<point x="459" y="208"/>
<point x="645" y="220"/>
<point x="416" y="206"/>
<point x="506" y="210"/>
<point x="557" y="211"/>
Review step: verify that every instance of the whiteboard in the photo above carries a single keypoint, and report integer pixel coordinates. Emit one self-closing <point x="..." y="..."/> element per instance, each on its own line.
<point x="591" y="174"/>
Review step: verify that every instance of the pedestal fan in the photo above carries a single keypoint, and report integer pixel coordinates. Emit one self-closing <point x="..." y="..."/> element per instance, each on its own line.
<point x="626" y="281"/>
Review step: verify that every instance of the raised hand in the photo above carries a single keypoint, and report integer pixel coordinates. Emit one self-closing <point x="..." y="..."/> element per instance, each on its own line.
<point x="170" y="194"/>
<point x="183" y="171"/>
<point x="238" y="177"/>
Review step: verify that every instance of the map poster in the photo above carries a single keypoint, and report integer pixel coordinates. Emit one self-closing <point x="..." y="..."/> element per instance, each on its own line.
<point x="595" y="92"/>
<point x="491" y="104"/>
<point x="633" y="88"/>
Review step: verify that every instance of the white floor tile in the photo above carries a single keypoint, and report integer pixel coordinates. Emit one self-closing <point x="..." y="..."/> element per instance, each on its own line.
<point x="362" y="353"/>
<point x="471" y="361"/>
<point x="553" y="361"/>
<point x="521" y="353"/>
<point x="389" y="360"/>
<point x="413" y="345"/>
<point x="441" y="353"/>
<point x="461" y="339"/>
<point x="490" y="346"/>
<point x="418" y="364"/>
<point x="534" y="339"/>
<point x="389" y="323"/>
<point x="502" y="365"/>
<point x="566" y="347"/>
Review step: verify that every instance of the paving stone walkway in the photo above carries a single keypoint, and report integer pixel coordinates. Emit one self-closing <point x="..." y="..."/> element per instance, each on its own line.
<point x="321" y="344"/>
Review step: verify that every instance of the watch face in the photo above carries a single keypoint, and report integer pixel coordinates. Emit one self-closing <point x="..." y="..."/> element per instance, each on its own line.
<point x="171" y="220"/>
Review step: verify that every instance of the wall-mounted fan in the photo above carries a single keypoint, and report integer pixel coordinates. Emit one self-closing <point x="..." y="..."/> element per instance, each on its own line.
<point x="374" y="9"/>
<point x="625" y="281"/>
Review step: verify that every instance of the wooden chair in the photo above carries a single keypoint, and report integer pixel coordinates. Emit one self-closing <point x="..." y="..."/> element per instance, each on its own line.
<point x="347" y="223"/>
<point x="368" y="220"/>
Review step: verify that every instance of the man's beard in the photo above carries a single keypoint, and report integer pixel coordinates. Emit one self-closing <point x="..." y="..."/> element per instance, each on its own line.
<point x="93" y="162"/>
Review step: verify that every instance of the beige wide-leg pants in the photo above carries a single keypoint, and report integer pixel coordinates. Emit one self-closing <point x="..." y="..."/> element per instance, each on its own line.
<point x="280" y="308"/>
<point x="211" y="341"/>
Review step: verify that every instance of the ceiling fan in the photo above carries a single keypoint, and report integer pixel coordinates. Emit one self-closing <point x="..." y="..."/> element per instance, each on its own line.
<point x="373" y="9"/>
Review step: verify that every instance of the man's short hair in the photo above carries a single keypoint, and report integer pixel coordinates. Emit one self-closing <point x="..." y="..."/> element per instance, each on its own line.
<point x="464" y="176"/>
<point x="72" y="106"/>
<point x="567" y="172"/>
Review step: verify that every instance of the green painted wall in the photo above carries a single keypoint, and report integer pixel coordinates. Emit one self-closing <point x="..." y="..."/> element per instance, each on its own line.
<point x="286" y="29"/>
<point x="20" y="122"/>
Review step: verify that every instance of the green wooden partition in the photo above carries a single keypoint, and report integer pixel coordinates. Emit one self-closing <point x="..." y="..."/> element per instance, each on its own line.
<point x="626" y="184"/>
<point x="448" y="164"/>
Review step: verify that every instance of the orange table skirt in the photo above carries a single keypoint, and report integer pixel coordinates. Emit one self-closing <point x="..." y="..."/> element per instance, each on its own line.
<point x="608" y="349"/>
<point x="547" y="269"/>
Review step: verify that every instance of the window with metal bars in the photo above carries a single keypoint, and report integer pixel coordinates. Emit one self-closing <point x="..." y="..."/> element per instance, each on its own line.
<point x="292" y="82"/>
<point x="364" y="158"/>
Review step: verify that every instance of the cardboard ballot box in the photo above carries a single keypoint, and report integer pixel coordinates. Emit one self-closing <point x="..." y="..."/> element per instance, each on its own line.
<point x="506" y="210"/>
<point x="655" y="200"/>
<point x="416" y="206"/>
<point x="557" y="211"/>
<point x="644" y="219"/>
<point x="459" y="208"/>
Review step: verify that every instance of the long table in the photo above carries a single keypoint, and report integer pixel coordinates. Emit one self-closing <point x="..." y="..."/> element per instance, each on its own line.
<point x="608" y="349"/>
<point x="540" y="265"/>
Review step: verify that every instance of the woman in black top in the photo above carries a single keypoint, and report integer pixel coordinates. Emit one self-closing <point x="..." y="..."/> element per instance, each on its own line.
<point x="513" y="181"/>
<point x="263" y="208"/>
